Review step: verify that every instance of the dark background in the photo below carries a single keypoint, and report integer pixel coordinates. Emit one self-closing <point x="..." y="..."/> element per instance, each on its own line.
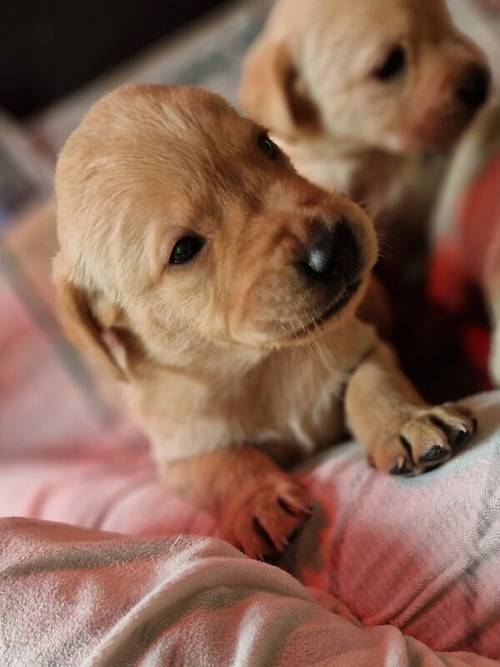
<point x="49" y="48"/>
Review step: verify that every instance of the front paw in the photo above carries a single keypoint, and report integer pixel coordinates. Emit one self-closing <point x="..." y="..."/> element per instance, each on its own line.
<point x="265" y="515"/>
<point x="425" y="440"/>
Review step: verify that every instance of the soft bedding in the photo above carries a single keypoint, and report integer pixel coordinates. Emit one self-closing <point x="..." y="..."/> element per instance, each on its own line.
<point x="74" y="597"/>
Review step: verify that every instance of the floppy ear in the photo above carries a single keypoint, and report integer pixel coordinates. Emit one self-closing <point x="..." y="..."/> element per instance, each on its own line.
<point x="82" y="326"/>
<point x="273" y="93"/>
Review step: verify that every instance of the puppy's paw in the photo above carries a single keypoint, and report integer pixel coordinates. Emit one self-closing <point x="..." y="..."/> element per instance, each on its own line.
<point x="265" y="515"/>
<point x="424" y="441"/>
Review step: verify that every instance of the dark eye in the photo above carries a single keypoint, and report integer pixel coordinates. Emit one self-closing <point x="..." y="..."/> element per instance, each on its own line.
<point x="268" y="147"/>
<point x="185" y="249"/>
<point x="393" y="65"/>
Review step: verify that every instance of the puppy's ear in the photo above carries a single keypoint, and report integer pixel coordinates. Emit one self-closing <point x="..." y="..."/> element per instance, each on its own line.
<point x="273" y="93"/>
<point x="77" y="311"/>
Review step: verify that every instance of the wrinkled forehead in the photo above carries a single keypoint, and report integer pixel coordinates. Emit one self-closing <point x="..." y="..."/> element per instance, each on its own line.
<point x="178" y="140"/>
<point x="187" y="156"/>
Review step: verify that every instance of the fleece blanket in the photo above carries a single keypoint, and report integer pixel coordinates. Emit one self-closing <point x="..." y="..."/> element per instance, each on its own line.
<point x="74" y="597"/>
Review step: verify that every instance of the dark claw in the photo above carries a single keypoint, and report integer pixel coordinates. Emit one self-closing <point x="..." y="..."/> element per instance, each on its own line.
<point x="407" y="446"/>
<point x="294" y="534"/>
<point x="267" y="541"/>
<point x="285" y="506"/>
<point x="305" y="511"/>
<point x="401" y="470"/>
<point x="461" y="438"/>
<point x="435" y="454"/>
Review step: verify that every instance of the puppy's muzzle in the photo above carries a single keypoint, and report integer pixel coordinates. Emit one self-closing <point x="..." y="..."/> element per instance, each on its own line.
<point x="334" y="255"/>
<point x="474" y="88"/>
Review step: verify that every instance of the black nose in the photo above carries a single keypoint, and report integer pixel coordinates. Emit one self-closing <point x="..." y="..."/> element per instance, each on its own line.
<point x="335" y="254"/>
<point x="475" y="86"/>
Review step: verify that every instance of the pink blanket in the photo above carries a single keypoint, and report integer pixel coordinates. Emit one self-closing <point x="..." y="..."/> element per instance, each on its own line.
<point x="74" y="597"/>
<point x="422" y="554"/>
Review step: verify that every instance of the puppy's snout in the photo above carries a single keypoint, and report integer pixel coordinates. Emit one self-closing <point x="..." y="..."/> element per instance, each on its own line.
<point x="334" y="254"/>
<point x="475" y="86"/>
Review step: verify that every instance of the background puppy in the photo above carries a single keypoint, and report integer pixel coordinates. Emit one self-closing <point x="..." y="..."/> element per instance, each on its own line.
<point x="356" y="91"/>
<point x="221" y="288"/>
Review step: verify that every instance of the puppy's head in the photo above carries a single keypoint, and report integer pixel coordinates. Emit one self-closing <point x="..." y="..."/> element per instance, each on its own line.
<point x="183" y="226"/>
<point x="391" y="74"/>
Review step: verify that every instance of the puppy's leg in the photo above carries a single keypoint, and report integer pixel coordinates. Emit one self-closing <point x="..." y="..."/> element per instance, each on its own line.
<point x="258" y="506"/>
<point x="401" y="433"/>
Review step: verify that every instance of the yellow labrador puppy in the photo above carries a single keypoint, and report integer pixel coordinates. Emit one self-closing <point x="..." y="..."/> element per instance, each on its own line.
<point x="221" y="288"/>
<point x="357" y="91"/>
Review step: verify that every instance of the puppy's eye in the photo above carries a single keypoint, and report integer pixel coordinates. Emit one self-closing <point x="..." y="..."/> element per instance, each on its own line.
<point x="393" y="65"/>
<point x="268" y="147"/>
<point x="185" y="249"/>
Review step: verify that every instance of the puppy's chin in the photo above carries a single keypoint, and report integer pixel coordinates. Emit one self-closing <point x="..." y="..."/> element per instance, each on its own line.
<point x="315" y="325"/>
<point x="306" y="327"/>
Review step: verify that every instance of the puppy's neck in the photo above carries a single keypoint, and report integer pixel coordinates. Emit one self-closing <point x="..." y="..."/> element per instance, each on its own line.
<point x="206" y="362"/>
<point x="220" y="369"/>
